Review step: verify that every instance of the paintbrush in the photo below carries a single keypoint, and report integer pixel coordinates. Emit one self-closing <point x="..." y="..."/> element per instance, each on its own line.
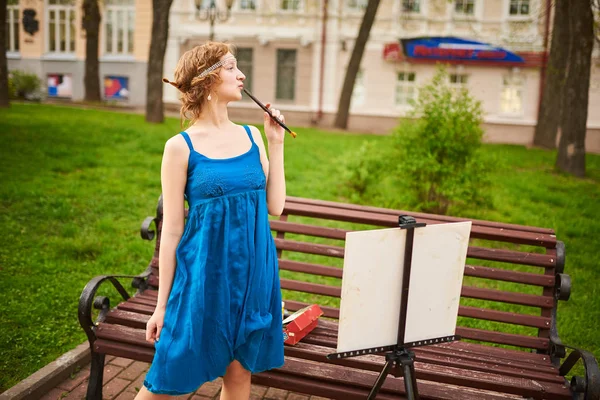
<point x="261" y="105"/>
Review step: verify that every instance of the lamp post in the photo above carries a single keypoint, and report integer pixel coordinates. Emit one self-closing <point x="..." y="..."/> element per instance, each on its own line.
<point x="212" y="13"/>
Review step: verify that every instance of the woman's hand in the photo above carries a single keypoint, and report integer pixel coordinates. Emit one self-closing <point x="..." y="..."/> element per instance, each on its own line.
<point x="154" y="325"/>
<point x="274" y="132"/>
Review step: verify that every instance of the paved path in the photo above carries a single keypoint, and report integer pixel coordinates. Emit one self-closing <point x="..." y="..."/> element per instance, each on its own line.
<point x="123" y="378"/>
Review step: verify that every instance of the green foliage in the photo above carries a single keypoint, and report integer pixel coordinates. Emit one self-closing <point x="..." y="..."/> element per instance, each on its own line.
<point x="433" y="160"/>
<point x="24" y="85"/>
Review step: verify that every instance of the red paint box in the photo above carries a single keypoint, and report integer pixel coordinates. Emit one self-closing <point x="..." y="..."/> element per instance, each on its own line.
<point x="300" y="323"/>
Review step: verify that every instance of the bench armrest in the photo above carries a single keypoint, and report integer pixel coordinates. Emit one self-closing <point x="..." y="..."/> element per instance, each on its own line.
<point x="590" y="385"/>
<point x="102" y="303"/>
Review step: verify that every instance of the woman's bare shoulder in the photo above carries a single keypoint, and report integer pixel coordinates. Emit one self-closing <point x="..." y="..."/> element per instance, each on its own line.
<point x="176" y="145"/>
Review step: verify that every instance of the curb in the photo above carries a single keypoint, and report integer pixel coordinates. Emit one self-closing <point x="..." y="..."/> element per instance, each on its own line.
<point x="43" y="380"/>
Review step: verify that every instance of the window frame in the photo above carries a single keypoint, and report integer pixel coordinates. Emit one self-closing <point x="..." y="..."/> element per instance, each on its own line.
<point x="463" y="14"/>
<point x="69" y="9"/>
<point x="277" y="74"/>
<point x="512" y="76"/>
<point x="405" y="84"/>
<point x="405" y="10"/>
<point x="13" y="13"/>
<point x="300" y="9"/>
<point x="359" y="100"/>
<point x="119" y="13"/>
<point x="238" y="6"/>
<point x="358" y="8"/>
<point x="519" y="15"/>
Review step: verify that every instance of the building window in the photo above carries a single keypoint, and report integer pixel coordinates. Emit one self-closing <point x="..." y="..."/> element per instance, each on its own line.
<point x="12" y="25"/>
<point x="519" y="7"/>
<point x="291" y="5"/>
<point x="244" y="63"/>
<point x="247" y="5"/>
<point x="357" y="5"/>
<point x="464" y="7"/>
<point x="204" y="5"/>
<point x="459" y="81"/>
<point x="60" y="23"/>
<point x="358" y="92"/>
<point x="286" y="75"/>
<point x="119" y="24"/>
<point x="511" y="101"/>
<point x="406" y="88"/>
<point x="411" y="6"/>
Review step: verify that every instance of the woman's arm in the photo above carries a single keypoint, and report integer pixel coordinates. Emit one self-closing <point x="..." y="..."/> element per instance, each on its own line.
<point x="274" y="171"/>
<point x="173" y="177"/>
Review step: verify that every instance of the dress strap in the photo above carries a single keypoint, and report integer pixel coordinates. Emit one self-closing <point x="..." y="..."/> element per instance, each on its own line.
<point x="249" y="133"/>
<point x="188" y="140"/>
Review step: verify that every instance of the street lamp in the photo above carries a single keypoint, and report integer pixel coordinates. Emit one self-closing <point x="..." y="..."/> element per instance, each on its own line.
<point x="212" y="13"/>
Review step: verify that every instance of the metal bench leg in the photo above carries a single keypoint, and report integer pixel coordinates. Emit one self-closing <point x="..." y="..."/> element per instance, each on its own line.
<point x="94" y="391"/>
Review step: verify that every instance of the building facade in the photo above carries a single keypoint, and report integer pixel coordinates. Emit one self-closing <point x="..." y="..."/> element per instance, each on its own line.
<point x="295" y="52"/>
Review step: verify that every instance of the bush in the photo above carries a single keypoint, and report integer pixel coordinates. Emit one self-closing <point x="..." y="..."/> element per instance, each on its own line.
<point x="24" y="85"/>
<point x="433" y="160"/>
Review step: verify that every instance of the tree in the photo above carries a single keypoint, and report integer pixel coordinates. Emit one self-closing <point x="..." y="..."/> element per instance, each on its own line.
<point x="158" y="46"/>
<point x="91" y="24"/>
<point x="554" y="80"/>
<point x="341" y="119"/>
<point x="4" y="102"/>
<point x="573" y="126"/>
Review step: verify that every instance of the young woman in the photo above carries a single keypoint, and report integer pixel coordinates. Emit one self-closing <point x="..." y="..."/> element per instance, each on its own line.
<point x="219" y="300"/>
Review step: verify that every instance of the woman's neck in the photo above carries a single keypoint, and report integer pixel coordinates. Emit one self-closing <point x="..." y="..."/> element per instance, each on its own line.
<point x="214" y="114"/>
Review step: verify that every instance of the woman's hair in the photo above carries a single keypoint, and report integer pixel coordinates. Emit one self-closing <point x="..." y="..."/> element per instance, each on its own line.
<point x="194" y="90"/>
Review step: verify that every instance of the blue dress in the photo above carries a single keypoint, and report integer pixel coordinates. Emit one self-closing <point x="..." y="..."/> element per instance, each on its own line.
<point x="225" y="300"/>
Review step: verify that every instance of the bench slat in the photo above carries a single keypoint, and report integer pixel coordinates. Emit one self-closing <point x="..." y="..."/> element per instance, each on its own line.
<point x="510" y="256"/>
<point x="503" y="338"/>
<point x="464" y="348"/>
<point x="310" y="230"/>
<point x="467" y="291"/>
<point x="446" y="353"/>
<point x="137" y="308"/>
<point x="302" y="376"/>
<point x="436" y="373"/>
<point x="317" y="353"/>
<point x="463" y="311"/>
<point x="391" y="221"/>
<point x="127" y="318"/>
<point x="120" y="349"/>
<point x="505" y="317"/>
<point x="315" y="269"/>
<point x="441" y="218"/>
<point x="498" y="274"/>
<point x="136" y="337"/>
<point x="507" y="297"/>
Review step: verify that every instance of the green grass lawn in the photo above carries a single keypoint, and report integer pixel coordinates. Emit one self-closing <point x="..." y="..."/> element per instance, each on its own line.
<point x="76" y="185"/>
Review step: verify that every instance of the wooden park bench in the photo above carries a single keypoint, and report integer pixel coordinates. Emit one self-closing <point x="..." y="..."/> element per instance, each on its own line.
<point x="510" y="349"/>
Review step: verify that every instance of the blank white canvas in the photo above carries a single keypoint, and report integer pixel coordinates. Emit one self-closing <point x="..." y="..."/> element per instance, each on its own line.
<point x="372" y="282"/>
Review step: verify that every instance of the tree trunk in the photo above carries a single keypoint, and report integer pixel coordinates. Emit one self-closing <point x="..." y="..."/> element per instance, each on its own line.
<point x="158" y="46"/>
<point x="91" y="24"/>
<point x="554" y="79"/>
<point x="571" y="149"/>
<point x="341" y="119"/>
<point x="4" y="101"/>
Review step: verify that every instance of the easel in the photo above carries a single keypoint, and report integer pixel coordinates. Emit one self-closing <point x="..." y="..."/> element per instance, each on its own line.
<point x="398" y="354"/>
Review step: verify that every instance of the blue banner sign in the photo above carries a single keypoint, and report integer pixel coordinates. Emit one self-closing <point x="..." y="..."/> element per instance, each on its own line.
<point x="453" y="48"/>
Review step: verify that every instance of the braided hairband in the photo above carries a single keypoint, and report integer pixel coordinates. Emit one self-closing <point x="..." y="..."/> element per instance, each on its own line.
<point x="206" y="71"/>
<point x="215" y="66"/>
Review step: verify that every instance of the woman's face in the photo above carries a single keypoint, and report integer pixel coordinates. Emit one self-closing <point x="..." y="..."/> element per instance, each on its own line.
<point x="232" y="80"/>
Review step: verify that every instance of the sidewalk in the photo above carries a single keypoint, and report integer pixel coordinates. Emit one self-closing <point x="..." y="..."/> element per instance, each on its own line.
<point x="123" y="378"/>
